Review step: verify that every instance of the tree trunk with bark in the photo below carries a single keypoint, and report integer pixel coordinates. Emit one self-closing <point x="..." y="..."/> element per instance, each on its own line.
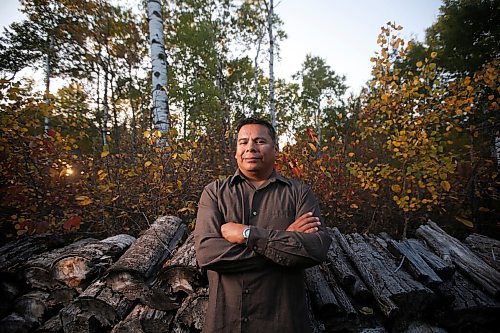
<point x="161" y="117"/>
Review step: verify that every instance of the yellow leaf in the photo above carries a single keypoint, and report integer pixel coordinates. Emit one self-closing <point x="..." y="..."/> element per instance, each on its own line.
<point x="147" y="134"/>
<point x="339" y="115"/>
<point x="104" y="154"/>
<point x="465" y="222"/>
<point x="313" y="147"/>
<point x="351" y="154"/>
<point x="491" y="97"/>
<point x="83" y="200"/>
<point x="396" y="188"/>
<point x="445" y="185"/>
<point x="148" y="163"/>
<point x="458" y="112"/>
<point x="354" y="206"/>
<point x="434" y="54"/>
<point x="419" y="64"/>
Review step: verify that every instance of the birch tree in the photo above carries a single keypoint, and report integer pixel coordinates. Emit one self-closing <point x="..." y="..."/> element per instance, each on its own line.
<point x="159" y="67"/>
<point x="272" y="107"/>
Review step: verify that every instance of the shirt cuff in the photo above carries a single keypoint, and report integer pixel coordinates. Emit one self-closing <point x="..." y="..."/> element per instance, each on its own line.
<point x="258" y="239"/>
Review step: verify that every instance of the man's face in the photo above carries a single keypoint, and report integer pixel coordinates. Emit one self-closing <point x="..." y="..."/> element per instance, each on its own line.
<point x="255" y="151"/>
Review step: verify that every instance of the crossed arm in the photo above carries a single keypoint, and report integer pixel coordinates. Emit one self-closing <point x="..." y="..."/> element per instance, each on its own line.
<point x="233" y="231"/>
<point x="220" y="245"/>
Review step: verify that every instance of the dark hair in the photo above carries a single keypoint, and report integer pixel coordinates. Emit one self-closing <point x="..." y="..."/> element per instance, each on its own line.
<point x="258" y="121"/>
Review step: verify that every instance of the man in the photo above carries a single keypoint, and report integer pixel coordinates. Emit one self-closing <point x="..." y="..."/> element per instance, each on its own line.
<point x="255" y="233"/>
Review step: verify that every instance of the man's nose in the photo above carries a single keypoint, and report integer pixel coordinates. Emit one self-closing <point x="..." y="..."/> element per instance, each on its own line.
<point x="250" y="146"/>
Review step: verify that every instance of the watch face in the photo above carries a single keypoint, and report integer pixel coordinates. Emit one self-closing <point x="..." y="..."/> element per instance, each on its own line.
<point x="246" y="232"/>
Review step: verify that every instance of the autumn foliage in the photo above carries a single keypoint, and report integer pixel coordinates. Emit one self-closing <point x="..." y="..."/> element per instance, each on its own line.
<point x="415" y="145"/>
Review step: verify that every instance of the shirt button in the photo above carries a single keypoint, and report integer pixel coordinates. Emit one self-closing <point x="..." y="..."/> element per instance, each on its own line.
<point x="254" y="213"/>
<point x="246" y="291"/>
<point x="245" y="319"/>
<point x="255" y="248"/>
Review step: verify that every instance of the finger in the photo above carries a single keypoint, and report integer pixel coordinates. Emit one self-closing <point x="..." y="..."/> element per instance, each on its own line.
<point x="303" y="219"/>
<point x="309" y="223"/>
<point x="311" y="230"/>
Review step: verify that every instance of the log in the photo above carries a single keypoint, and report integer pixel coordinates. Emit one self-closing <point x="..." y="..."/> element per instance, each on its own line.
<point x="443" y="268"/>
<point x="38" y="271"/>
<point x="182" y="273"/>
<point x="129" y="273"/>
<point x="9" y="290"/>
<point x="423" y="327"/>
<point x="53" y="325"/>
<point x="466" y="260"/>
<point x="343" y="299"/>
<point x="317" y="325"/>
<point x="16" y="253"/>
<point x="191" y="315"/>
<point x="143" y="319"/>
<point x="392" y="288"/>
<point x="359" y="254"/>
<point x="347" y="318"/>
<point x="97" y="309"/>
<point x="34" y="306"/>
<point x="413" y="262"/>
<point x="486" y="248"/>
<point x="77" y="268"/>
<point x="322" y="298"/>
<point x="342" y="268"/>
<point x="469" y="305"/>
<point x="15" y="323"/>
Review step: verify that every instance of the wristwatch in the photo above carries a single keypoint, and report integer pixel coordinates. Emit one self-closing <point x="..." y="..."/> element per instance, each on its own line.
<point x="246" y="233"/>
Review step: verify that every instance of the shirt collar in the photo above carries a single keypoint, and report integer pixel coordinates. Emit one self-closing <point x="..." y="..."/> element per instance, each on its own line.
<point x="275" y="176"/>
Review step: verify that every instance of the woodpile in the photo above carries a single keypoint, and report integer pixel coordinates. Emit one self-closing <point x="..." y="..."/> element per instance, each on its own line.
<point x="369" y="283"/>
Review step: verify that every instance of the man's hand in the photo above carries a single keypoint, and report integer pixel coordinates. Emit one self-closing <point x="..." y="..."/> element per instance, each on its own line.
<point x="305" y="223"/>
<point x="233" y="232"/>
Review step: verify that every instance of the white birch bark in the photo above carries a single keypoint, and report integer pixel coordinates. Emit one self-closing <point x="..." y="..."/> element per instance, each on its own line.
<point x="159" y="68"/>
<point x="272" y="107"/>
<point x="47" y="83"/>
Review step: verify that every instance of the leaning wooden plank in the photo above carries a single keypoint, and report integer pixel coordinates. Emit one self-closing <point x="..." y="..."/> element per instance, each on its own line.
<point x="129" y="273"/>
<point x="466" y="260"/>
<point x="485" y="247"/>
<point x="443" y="268"/>
<point x="469" y="307"/>
<point x="191" y="315"/>
<point x="97" y="309"/>
<point x="143" y="319"/>
<point x="413" y="262"/>
<point x="360" y="254"/>
<point x="322" y="298"/>
<point x="339" y="264"/>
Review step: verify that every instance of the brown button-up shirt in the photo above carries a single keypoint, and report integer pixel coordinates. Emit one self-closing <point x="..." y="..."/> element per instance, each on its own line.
<point x="257" y="286"/>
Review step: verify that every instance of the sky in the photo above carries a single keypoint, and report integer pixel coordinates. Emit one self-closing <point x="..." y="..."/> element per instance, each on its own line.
<point x="343" y="32"/>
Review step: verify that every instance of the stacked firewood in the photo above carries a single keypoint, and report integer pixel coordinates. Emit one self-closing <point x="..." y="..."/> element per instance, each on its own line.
<point x="369" y="283"/>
